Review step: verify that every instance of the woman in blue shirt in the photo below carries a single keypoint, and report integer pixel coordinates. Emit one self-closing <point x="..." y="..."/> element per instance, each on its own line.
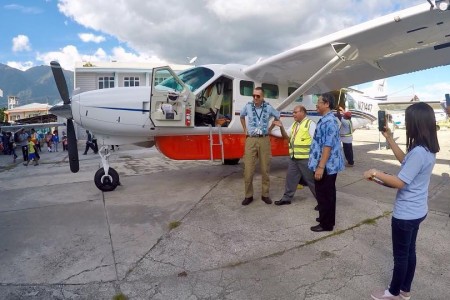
<point x="411" y="201"/>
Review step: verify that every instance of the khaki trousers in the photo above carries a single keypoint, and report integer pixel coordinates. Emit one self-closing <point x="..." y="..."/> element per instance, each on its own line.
<point x="257" y="148"/>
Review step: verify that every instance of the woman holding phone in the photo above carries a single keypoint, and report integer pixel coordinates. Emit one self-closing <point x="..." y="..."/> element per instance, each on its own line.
<point x="411" y="201"/>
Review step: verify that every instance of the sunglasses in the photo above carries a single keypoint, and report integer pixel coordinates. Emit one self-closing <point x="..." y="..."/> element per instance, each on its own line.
<point x="257" y="96"/>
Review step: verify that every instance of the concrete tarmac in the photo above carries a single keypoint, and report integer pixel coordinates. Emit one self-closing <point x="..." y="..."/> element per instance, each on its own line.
<point x="177" y="230"/>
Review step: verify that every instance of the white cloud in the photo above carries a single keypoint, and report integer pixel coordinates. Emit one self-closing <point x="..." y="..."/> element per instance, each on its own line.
<point x="21" y="65"/>
<point x="24" y="9"/>
<point x="222" y="31"/>
<point x="119" y="54"/>
<point x="433" y="92"/>
<point x="69" y="55"/>
<point x="90" y="37"/>
<point x="21" y="43"/>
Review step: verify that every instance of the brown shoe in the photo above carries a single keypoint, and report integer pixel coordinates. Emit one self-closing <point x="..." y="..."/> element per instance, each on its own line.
<point x="247" y="201"/>
<point x="267" y="200"/>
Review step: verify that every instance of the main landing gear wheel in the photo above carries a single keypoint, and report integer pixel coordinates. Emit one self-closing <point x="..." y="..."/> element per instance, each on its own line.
<point x="106" y="183"/>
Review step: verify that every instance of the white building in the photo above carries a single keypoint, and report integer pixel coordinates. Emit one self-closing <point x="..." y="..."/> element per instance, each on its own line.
<point x="101" y="75"/>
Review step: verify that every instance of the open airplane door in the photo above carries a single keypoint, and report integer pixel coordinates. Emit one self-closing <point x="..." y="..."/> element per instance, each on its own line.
<point x="171" y="101"/>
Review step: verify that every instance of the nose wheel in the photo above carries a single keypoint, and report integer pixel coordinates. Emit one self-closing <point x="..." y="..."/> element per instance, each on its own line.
<point x="106" y="179"/>
<point x="106" y="183"/>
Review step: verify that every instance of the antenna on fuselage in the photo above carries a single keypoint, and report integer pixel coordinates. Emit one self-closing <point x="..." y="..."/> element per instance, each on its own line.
<point x="192" y="60"/>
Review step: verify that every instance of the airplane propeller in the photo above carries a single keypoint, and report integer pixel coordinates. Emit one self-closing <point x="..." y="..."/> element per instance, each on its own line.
<point x="66" y="112"/>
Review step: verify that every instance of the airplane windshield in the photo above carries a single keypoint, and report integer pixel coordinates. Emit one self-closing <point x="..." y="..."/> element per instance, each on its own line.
<point x="192" y="78"/>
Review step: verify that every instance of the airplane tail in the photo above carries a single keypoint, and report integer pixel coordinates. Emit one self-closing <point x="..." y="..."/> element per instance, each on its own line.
<point x="379" y="88"/>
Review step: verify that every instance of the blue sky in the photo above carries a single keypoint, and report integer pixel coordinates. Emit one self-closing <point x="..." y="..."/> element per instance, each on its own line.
<point x="35" y="32"/>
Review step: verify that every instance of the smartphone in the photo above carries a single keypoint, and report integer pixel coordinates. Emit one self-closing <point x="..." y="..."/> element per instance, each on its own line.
<point x="381" y="120"/>
<point x="447" y="100"/>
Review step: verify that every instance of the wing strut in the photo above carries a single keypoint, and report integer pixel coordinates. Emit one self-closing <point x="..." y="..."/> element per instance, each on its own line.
<point x="339" y="58"/>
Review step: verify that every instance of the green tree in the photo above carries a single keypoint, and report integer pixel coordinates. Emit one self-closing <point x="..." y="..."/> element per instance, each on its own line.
<point x="2" y="114"/>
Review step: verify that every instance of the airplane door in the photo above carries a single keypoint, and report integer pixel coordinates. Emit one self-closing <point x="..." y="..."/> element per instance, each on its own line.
<point x="171" y="101"/>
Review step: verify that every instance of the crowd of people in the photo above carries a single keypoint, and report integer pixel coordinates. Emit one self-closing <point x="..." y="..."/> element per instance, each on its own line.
<point x="30" y="143"/>
<point x="317" y="153"/>
<point x="317" y="156"/>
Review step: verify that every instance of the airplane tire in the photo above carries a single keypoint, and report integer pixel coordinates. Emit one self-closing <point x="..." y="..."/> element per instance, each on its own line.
<point x="231" y="162"/>
<point x="106" y="185"/>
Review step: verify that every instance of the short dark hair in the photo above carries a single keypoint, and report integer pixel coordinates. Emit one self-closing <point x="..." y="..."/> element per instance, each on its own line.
<point x="258" y="88"/>
<point x="329" y="98"/>
<point x="420" y="123"/>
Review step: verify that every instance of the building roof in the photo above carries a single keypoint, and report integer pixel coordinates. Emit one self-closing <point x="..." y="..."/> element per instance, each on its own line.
<point x="38" y="119"/>
<point x="30" y="107"/>
<point x="110" y="66"/>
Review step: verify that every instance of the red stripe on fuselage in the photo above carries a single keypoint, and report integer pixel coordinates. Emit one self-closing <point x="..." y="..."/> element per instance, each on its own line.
<point x="197" y="147"/>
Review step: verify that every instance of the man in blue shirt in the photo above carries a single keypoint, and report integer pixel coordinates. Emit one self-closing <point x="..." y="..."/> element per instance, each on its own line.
<point x="257" y="143"/>
<point x="325" y="160"/>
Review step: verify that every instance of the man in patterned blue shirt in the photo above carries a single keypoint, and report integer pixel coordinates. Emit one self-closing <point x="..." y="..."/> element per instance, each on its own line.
<point x="257" y="143"/>
<point x="325" y="160"/>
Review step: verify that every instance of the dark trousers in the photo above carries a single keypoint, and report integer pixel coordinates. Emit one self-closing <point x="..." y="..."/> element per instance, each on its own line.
<point x="404" y="235"/>
<point x="89" y="145"/>
<point x="348" y="152"/>
<point x="25" y="153"/>
<point x="36" y="152"/>
<point x="298" y="172"/>
<point x="94" y="141"/>
<point x="326" y="199"/>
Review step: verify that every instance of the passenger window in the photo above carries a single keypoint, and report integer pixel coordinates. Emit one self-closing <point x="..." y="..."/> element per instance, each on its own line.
<point x="246" y="87"/>
<point x="315" y="98"/>
<point x="351" y="102"/>
<point x="270" y="90"/>
<point x="291" y="90"/>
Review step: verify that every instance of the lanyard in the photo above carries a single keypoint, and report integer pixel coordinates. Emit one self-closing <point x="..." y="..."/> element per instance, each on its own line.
<point x="256" y="113"/>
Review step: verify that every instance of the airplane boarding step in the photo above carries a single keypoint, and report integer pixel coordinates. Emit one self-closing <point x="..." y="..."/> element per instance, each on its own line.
<point x="211" y="143"/>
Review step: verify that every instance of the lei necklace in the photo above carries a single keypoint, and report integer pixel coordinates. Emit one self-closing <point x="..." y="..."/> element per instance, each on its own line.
<point x="260" y="121"/>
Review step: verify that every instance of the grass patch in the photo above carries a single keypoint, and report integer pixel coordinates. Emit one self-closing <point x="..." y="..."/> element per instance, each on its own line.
<point x="119" y="296"/>
<point x="174" y="224"/>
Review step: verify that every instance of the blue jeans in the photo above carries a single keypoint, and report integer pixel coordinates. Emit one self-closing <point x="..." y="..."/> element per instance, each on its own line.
<point x="404" y="235"/>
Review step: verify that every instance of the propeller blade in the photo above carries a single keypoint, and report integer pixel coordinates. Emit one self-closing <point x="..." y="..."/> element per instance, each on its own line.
<point x="72" y="147"/>
<point x="60" y="81"/>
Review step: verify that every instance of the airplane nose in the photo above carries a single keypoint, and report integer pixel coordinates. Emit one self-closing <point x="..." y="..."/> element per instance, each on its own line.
<point x="63" y="111"/>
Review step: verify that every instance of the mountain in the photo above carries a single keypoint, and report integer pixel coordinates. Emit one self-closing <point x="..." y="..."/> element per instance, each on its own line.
<point x="33" y="85"/>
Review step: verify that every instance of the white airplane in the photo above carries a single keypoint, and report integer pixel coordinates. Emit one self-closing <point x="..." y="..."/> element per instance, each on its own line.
<point x="181" y="114"/>
<point x="376" y="98"/>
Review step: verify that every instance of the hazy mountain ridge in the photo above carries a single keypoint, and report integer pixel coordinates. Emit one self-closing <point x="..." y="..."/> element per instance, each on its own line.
<point x="33" y="85"/>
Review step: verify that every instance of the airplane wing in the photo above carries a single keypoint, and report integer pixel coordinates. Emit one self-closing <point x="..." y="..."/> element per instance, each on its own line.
<point x="402" y="105"/>
<point x="406" y="41"/>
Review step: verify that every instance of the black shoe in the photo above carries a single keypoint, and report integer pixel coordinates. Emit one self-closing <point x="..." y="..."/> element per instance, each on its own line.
<point x="267" y="200"/>
<point x="247" y="201"/>
<point x="282" y="202"/>
<point x="84" y="153"/>
<point x="319" y="228"/>
<point x="316" y="208"/>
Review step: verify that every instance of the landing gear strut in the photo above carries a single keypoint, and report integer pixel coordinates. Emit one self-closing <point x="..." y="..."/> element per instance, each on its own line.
<point x="106" y="179"/>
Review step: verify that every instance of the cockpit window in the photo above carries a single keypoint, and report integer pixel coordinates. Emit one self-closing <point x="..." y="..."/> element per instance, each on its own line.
<point x="192" y="78"/>
<point x="351" y="103"/>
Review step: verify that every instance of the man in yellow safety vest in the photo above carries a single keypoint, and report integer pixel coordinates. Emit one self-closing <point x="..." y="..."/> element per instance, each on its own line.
<point x="300" y="138"/>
